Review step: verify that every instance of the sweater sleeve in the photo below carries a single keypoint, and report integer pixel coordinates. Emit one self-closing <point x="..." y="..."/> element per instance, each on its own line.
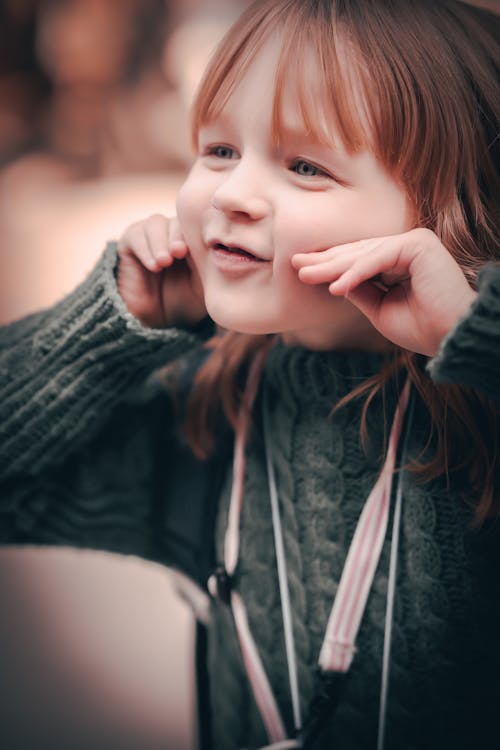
<point x="62" y="370"/>
<point x="470" y="354"/>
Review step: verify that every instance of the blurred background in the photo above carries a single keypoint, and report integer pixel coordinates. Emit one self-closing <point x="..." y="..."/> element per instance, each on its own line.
<point x="96" y="651"/>
<point x="94" y="128"/>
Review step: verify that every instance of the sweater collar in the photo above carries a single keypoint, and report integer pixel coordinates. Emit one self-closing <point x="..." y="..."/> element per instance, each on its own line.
<point x="311" y="375"/>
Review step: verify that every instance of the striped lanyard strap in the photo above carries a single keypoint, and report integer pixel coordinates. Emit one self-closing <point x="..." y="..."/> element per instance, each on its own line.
<point x="350" y="601"/>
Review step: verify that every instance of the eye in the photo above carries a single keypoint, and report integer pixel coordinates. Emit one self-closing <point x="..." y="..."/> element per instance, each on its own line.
<point x="220" y="151"/>
<point x="307" y="169"/>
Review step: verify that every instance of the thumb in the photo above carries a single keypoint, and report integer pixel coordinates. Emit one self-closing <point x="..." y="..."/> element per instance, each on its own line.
<point x="367" y="298"/>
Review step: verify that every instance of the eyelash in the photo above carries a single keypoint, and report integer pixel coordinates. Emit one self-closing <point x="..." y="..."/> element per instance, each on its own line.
<point x="318" y="172"/>
<point x="213" y="151"/>
<point x="216" y="150"/>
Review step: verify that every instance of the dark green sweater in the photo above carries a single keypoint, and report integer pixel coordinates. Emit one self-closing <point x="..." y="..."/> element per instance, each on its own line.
<point x="88" y="447"/>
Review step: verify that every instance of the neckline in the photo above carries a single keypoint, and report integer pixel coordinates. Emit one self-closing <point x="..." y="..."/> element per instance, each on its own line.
<point x="306" y="374"/>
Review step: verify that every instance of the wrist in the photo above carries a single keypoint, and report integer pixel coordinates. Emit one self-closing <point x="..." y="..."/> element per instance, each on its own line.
<point x="449" y="322"/>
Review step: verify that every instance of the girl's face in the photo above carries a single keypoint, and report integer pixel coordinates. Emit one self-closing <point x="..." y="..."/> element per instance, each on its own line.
<point x="248" y="206"/>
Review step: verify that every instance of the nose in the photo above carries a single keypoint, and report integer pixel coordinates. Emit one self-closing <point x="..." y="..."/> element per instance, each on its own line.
<point x="241" y="193"/>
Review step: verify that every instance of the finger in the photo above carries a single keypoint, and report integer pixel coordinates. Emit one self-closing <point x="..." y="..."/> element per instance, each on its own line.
<point x="179" y="249"/>
<point x="368" y="298"/>
<point x="371" y="301"/>
<point x="135" y="243"/>
<point x="318" y="274"/>
<point x="395" y="259"/>
<point x="177" y="244"/>
<point x="299" y="260"/>
<point x="157" y="234"/>
<point x="316" y="257"/>
<point x="388" y="264"/>
<point x="124" y="240"/>
<point x="330" y="269"/>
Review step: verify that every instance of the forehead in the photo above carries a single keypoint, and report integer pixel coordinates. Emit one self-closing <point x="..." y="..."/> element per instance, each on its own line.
<point x="306" y="93"/>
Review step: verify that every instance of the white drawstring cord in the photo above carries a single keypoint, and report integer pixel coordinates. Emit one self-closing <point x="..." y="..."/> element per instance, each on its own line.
<point x="391" y="587"/>
<point x="281" y="745"/>
<point x="346" y="614"/>
<point x="286" y="608"/>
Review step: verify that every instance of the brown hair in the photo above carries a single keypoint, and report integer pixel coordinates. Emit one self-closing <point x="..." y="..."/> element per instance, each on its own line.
<point x="427" y="73"/>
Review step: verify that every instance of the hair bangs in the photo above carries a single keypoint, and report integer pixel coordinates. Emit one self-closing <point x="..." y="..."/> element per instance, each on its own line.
<point x="231" y="59"/>
<point x="329" y="95"/>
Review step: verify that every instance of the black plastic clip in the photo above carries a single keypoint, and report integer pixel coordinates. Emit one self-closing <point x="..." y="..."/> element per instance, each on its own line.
<point x="220" y="584"/>
<point x="329" y="689"/>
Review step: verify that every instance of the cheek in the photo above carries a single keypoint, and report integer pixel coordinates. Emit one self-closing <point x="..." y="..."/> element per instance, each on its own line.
<point x="195" y="197"/>
<point x="188" y="204"/>
<point x="298" y="301"/>
<point x="318" y="222"/>
<point x="304" y="229"/>
<point x="340" y="218"/>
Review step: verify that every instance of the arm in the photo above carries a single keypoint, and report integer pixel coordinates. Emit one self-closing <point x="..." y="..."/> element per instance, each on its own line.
<point x="85" y="444"/>
<point x="470" y="353"/>
<point x="63" y="370"/>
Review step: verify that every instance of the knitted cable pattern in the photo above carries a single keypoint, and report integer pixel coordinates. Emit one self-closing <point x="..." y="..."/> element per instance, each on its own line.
<point x="63" y="369"/>
<point x="324" y="477"/>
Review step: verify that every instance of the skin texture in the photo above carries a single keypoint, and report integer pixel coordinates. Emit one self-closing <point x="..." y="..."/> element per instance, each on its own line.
<point x="340" y="264"/>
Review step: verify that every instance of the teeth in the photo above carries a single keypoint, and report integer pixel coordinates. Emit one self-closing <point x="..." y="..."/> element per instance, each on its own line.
<point x="238" y="250"/>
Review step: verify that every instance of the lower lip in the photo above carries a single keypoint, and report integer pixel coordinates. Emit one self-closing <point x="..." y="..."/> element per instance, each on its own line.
<point x="235" y="263"/>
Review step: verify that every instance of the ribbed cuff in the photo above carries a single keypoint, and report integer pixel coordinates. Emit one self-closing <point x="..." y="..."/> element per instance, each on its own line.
<point x="470" y="353"/>
<point x="70" y="364"/>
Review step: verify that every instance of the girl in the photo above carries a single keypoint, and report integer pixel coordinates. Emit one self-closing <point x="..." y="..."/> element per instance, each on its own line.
<point x="340" y="223"/>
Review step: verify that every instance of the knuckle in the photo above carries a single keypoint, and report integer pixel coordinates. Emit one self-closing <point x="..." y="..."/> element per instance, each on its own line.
<point x="424" y="234"/>
<point x="134" y="229"/>
<point x="157" y="218"/>
<point x="132" y="236"/>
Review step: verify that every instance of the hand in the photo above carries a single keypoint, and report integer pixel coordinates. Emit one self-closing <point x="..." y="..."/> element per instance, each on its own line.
<point x="408" y="285"/>
<point x="156" y="275"/>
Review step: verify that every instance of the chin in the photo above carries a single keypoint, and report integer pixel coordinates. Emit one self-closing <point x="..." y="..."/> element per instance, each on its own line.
<point x="229" y="324"/>
<point x="239" y="323"/>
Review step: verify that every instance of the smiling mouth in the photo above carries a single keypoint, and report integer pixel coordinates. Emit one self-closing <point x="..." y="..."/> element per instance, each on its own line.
<point x="234" y="251"/>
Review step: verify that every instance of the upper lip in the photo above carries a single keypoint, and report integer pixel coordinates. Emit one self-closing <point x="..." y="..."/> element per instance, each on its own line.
<point x="216" y="242"/>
